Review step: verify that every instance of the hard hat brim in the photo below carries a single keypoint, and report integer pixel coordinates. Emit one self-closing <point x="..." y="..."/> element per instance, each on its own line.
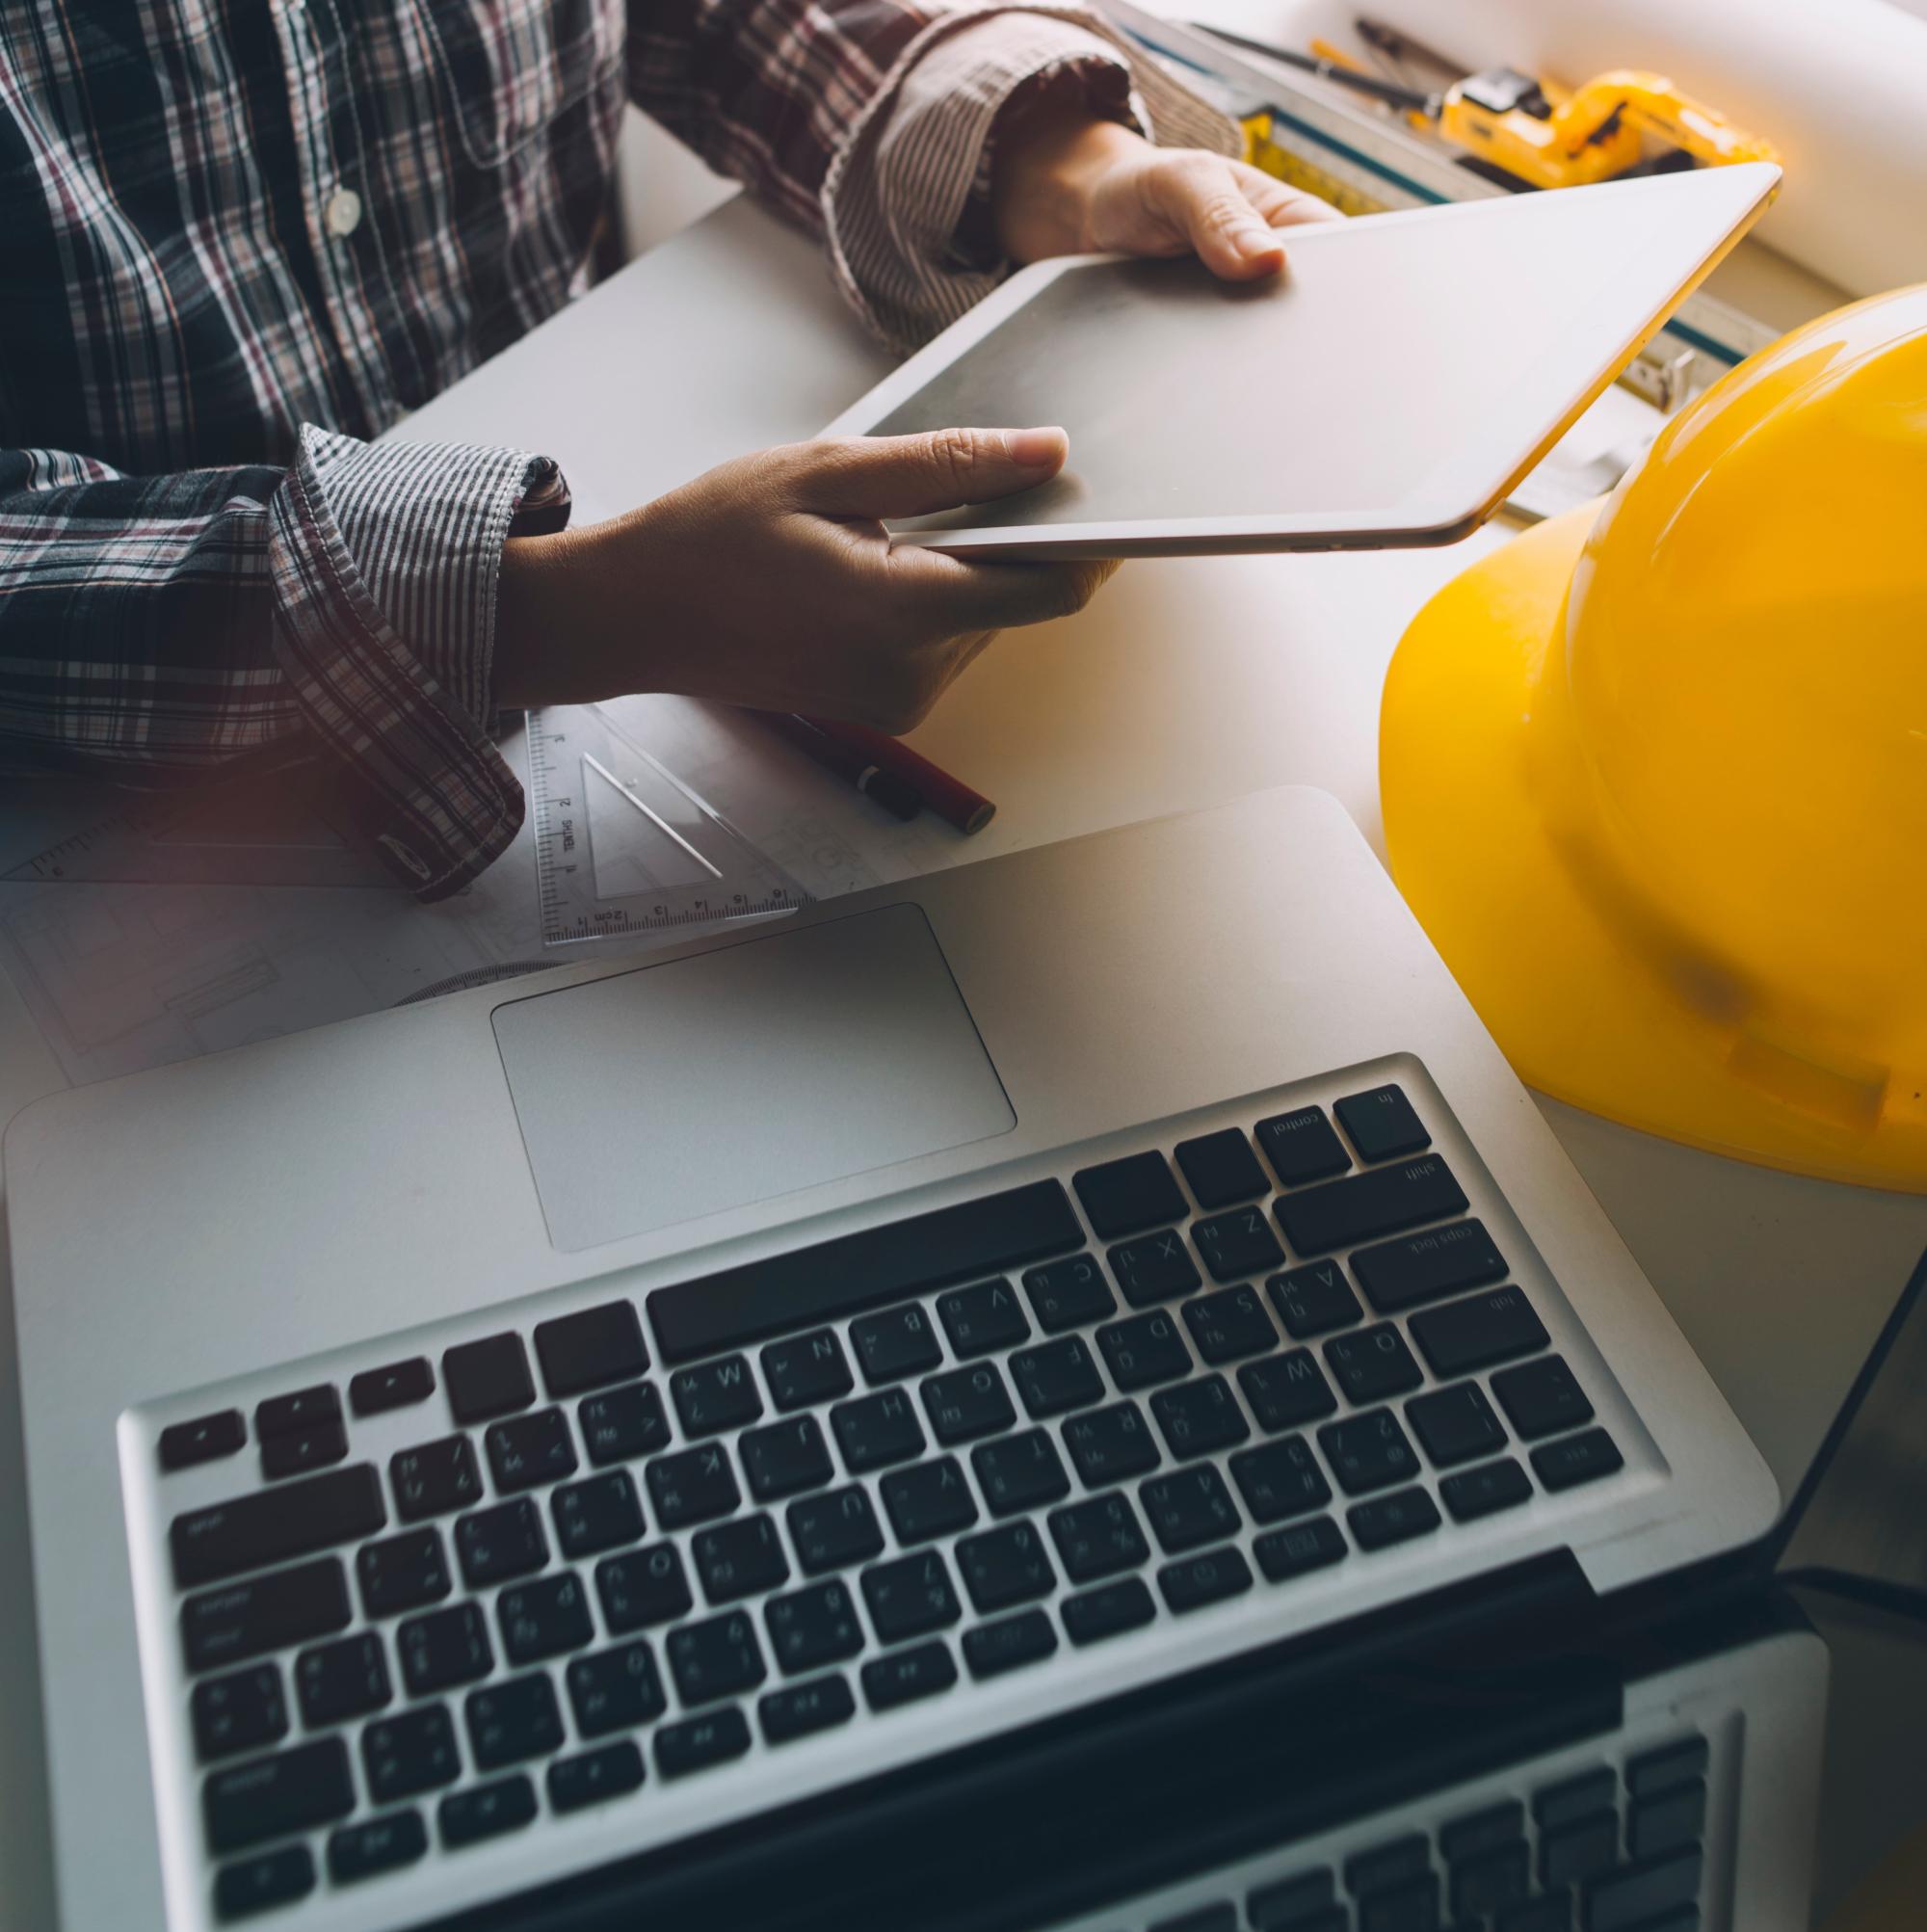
<point x="1581" y="1017"/>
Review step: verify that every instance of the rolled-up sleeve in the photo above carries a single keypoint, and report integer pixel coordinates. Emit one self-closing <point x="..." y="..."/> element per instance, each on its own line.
<point x="911" y="177"/>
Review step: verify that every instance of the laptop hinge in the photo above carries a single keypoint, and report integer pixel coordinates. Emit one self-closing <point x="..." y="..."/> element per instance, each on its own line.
<point x="1220" y="1763"/>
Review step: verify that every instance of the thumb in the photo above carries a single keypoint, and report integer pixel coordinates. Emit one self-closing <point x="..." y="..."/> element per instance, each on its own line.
<point x="911" y="476"/>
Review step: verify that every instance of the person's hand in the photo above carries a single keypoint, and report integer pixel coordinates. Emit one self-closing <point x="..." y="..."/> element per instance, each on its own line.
<point x="1063" y="183"/>
<point x="769" y="582"/>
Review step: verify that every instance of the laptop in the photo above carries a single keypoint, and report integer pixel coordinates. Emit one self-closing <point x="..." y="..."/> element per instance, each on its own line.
<point x="486" y="1452"/>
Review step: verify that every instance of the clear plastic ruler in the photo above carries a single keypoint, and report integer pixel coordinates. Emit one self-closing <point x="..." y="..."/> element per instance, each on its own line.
<point x="624" y="848"/>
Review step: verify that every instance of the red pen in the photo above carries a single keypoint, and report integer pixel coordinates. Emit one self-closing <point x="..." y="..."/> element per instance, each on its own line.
<point x="950" y="798"/>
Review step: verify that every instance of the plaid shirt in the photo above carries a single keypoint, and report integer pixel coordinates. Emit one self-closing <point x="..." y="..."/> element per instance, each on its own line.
<point x="239" y="237"/>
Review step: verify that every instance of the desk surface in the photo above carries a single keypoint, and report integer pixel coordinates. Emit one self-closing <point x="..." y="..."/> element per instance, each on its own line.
<point x="1187" y="683"/>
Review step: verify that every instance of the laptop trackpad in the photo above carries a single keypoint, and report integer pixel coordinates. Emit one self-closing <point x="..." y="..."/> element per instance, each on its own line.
<point x="776" y="1063"/>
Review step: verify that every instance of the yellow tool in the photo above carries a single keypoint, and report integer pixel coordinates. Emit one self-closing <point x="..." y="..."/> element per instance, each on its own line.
<point x="1538" y="133"/>
<point x="1655" y="776"/>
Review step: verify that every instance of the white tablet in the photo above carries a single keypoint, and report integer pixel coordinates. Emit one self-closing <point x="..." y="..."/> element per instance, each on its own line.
<point x="1390" y="387"/>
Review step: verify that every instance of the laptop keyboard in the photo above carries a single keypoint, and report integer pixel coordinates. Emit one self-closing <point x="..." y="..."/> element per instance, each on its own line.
<point x="813" y="1491"/>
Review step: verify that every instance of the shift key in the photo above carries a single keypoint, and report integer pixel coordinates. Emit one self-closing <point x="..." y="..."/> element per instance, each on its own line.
<point x="1337" y="1213"/>
<point x="271" y="1526"/>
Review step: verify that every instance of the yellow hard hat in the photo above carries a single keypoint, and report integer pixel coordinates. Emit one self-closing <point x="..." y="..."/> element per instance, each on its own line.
<point x="1655" y="775"/>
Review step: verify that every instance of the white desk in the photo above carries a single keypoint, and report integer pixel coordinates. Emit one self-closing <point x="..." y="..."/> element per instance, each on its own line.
<point x="1186" y="683"/>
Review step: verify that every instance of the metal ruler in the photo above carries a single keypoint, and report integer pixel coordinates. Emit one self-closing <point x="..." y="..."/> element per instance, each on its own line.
<point x="624" y="848"/>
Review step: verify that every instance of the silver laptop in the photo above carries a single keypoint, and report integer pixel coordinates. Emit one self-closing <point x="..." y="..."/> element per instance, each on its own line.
<point x="487" y="1445"/>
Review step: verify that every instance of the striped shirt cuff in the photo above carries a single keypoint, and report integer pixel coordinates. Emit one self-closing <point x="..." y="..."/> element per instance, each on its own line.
<point x="385" y="559"/>
<point x="900" y="186"/>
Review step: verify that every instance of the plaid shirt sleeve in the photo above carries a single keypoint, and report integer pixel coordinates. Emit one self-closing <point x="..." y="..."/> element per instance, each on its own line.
<point x="155" y="629"/>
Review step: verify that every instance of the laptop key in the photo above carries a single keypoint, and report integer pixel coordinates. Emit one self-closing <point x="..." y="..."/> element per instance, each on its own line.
<point x="240" y="1712"/>
<point x="497" y="1543"/>
<point x="978" y="1320"/>
<point x="1124" y="1197"/>
<point x="1199" y="1417"/>
<point x="1189" y="1509"/>
<point x="1110" y="1445"/>
<point x="1020" y="1473"/>
<point x="1455" y="1425"/>
<point x="623" y="1424"/>
<point x="382" y="1845"/>
<point x="922" y="1671"/>
<point x="507" y="1722"/>
<point x="283" y="1456"/>
<point x="929" y="1500"/>
<point x="1281" y="1905"/>
<point x="1108" y="1611"/>
<point x="835" y="1531"/>
<point x="1484" y="1491"/>
<point x="1383" y="1123"/>
<point x="1154" y="1268"/>
<point x="1369" y="1453"/>
<point x="1229" y="1325"/>
<point x="963" y="1404"/>
<point x="894" y="1343"/>
<point x="802" y="1709"/>
<point x="593" y="1777"/>
<point x="809" y="1628"/>
<point x="486" y="1811"/>
<point x="1397" y="1517"/>
<point x="1237" y="1244"/>
<point x="739" y="1559"/>
<point x="1314" y="1300"/>
<point x="543" y="1619"/>
<point x="398" y="1385"/>
<point x="295" y="1415"/>
<point x="530" y="1450"/>
<point x="244" y="1619"/>
<point x="1097" y="1538"/>
<point x="1373" y="1363"/>
<point x="260" y="1884"/>
<point x="435" y="1478"/>
<point x="1222" y="1169"/>
<point x="910" y="1597"/>
<point x="1209" y="1577"/>
<point x="411" y="1752"/>
<point x="785" y="1458"/>
<point x="401" y="1572"/>
<point x="1544" y="1915"/>
<point x="1395" y="1861"/>
<point x="715" y="1396"/>
<point x="804" y="1369"/>
<point x="270" y="1797"/>
<point x="1009" y="1644"/>
<point x="615" y="1689"/>
<point x="692" y="1486"/>
<point x="1573" y="1798"/>
<point x="1417" y="1268"/>
<point x="644" y="1587"/>
<point x="1478" y="1332"/>
<point x="1281" y="1480"/>
<point x="1004" y="1567"/>
<point x="1639" y="1893"/>
<point x="1286" y="1391"/>
<point x="444" y="1648"/>
<point x="1586" y="1848"/>
<point x="600" y="1514"/>
<point x="697" y="1743"/>
<point x="877" y="1430"/>
<point x="272" y="1526"/>
<point x="1542" y="1398"/>
<point x="1474" y="1834"/>
<point x="1573" y="1459"/>
<point x="1301" y="1147"/>
<point x="967" y="1242"/>
<point x="1668" y="1820"/>
<point x="1670" y="1764"/>
<point x="339" y="1681"/>
<point x="1300" y="1550"/>
<point x="588" y="1350"/>
<point x="1363" y="1207"/>
<point x="487" y="1378"/>
<point x="204" y="1440"/>
<point x="1068" y="1293"/>
<point x="1144" y="1350"/>
<point x="715" y="1659"/>
<point x="1056" y="1376"/>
